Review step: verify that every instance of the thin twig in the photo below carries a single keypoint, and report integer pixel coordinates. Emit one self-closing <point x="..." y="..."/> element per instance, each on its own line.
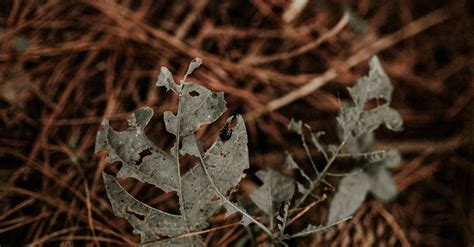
<point x="436" y="17"/>
<point x="257" y="60"/>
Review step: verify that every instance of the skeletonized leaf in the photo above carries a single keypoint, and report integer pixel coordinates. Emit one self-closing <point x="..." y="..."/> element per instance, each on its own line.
<point x="156" y="168"/>
<point x="225" y="162"/>
<point x="275" y="190"/>
<point x="351" y="193"/>
<point x="382" y="185"/>
<point x="198" y="106"/>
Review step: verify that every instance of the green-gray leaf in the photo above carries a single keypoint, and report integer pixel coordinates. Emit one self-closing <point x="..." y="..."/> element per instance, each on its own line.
<point x="225" y="162"/>
<point x="296" y="126"/>
<point x="145" y="220"/>
<point x="349" y="196"/>
<point x="193" y="65"/>
<point x="157" y="168"/>
<point x="382" y="185"/>
<point x="275" y="190"/>
<point x="392" y="159"/>
<point x="198" y="106"/>
<point x="165" y="79"/>
<point x="376" y="85"/>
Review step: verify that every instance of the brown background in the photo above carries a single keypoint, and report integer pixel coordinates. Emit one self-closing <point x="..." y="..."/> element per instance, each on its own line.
<point x="66" y="65"/>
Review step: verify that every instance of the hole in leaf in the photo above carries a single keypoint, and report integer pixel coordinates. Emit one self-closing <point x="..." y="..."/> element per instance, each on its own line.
<point x="160" y="236"/>
<point x="152" y="196"/>
<point x="188" y="162"/>
<point x="141" y="217"/>
<point x="142" y="154"/>
<point x="374" y="103"/>
<point x="194" y="93"/>
<point x="215" y="197"/>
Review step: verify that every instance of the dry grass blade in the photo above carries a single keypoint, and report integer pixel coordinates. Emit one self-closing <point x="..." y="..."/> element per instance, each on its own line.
<point x="65" y="66"/>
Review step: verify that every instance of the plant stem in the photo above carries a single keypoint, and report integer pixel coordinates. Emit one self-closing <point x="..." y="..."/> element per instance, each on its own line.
<point x="308" y="153"/>
<point x="180" y="187"/>
<point x="322" y="174"/>
<point x="221" y="195"/>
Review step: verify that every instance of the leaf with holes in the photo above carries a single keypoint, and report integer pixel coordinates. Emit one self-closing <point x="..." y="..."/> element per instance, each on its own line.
<point x="201" y="190"/>
<point x="354" y="120"/>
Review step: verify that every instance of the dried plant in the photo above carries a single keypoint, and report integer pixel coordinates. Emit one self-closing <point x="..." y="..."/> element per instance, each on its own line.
<point x="206" y="187"/>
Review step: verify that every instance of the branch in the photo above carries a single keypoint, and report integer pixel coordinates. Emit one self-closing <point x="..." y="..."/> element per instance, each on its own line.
<point x="434" y="18"/>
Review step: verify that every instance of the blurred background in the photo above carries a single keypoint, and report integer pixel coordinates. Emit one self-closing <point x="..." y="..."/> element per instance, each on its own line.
<point x="66" y="65"/>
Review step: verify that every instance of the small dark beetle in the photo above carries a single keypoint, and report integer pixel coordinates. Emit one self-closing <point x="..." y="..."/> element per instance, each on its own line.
<point x="226" y="132"/>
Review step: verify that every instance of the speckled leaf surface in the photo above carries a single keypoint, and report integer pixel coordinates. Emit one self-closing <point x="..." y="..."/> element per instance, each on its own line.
<point x="157" y="168"/>
<point x="198" y="106"/>
<point x="224" y="162"/>
<point x="275" y="190"/>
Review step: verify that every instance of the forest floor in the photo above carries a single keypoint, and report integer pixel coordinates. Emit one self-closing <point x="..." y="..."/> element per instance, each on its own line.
<point x="66" y="65"/>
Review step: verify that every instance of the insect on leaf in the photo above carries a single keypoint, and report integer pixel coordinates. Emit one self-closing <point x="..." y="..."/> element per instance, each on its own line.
<point x="224" y="163"/>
